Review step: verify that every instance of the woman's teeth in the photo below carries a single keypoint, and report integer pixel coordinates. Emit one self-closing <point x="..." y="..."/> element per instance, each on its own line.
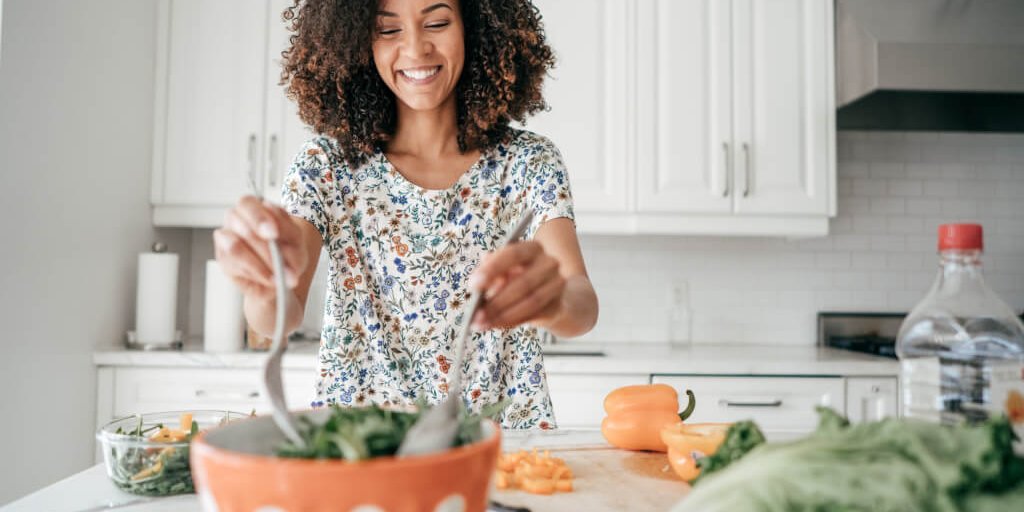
<point x="421" y="73"/>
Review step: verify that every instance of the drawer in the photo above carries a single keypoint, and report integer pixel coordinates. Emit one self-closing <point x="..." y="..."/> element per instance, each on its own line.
<point x="141" y="390"/>
<point x="578" y="399"/>
<point x="782" y="406"/>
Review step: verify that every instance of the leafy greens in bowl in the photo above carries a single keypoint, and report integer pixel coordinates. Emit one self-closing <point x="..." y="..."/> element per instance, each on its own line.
<point x="361" y="433"/>
<point x="148" y="454"/>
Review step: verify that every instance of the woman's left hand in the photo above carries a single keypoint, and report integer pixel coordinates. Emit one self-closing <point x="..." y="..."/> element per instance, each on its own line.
<point x="521" y="284"/>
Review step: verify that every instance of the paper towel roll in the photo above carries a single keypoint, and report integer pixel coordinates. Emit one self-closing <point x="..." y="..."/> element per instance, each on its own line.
<point x="223" y="320"/>
<point x="156" y="298"/>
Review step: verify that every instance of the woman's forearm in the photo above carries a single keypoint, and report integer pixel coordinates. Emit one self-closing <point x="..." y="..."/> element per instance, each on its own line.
<point x="578" y="313"/>
<point x="261" y="313"/>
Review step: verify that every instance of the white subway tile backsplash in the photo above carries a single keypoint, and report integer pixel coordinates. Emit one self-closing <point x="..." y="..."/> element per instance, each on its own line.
<point x="888" y="170"/>
<point x="905" y="225"/>
<point x="888" y="205"/>
<point x="923" y="206"/>
<point x="868" y="187"/>
<point x="941" y="188"/>
<point x="959" y="207"/>
<point x="905" y="187"/>
<point x="888" y="243"/>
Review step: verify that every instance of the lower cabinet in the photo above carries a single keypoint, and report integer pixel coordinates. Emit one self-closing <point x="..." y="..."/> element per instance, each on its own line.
<point x="124" y="391"/>
<point x="578" y="399"/>
<point x="782" y="406"/>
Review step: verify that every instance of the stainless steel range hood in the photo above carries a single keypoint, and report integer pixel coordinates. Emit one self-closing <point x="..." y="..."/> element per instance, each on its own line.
<point x="950" y="65"/>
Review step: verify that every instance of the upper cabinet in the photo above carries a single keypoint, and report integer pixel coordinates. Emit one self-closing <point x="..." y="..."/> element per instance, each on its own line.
<point x="223" y="125"/>
<point x="728" y="124"/>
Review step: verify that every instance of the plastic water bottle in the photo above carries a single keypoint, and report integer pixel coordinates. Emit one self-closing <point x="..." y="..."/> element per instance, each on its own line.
<point x="961" y="348"/>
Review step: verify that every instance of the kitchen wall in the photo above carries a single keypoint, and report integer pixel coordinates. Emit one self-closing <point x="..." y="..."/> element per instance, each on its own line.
<point x="76" y="104"/>
<point x="894" y="189"/>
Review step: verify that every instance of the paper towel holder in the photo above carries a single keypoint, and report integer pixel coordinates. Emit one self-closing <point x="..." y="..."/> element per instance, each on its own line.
<point x="131" y="341"/>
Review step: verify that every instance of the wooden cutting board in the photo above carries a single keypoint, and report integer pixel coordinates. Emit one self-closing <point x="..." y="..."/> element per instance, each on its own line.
<point x="607" y="479"/>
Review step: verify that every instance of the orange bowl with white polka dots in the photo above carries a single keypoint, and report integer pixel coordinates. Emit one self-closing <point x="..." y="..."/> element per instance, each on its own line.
<point x="235" y="470"/>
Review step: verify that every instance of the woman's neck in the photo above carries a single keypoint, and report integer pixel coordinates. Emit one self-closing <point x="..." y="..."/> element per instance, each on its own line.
<point x="426" y="133"/>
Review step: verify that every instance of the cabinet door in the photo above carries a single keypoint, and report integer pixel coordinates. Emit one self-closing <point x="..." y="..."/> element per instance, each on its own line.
<point x="143" y="390"/>
<point x="588" y="98"/>
<point x="783" y="407"/>
<point x="209" y="128"/>
<point x="284" y="132"/>
<point x="578" y="399"/>
<point x="784" y="106"/>
<point x="684" y="132"/>
<point x="870" y="398"/>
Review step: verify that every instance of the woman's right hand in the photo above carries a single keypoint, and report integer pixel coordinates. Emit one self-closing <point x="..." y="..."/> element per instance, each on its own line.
<point x="241" y="249"/>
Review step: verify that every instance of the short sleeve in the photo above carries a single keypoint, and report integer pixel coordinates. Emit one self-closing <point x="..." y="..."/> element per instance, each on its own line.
<point x="547" y="184"/>
<point x="305" y="191"/>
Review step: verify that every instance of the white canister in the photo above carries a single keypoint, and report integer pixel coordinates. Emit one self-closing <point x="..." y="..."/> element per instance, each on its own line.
<point x="223" y="319"/>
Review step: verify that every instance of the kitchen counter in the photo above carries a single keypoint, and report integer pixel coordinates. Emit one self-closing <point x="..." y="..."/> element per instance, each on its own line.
<point x="91" y="488"/>
<point x="581" y="358"/>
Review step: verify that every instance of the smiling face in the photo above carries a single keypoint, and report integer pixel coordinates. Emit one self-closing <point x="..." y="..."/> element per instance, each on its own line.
<point x="418" y="50"/>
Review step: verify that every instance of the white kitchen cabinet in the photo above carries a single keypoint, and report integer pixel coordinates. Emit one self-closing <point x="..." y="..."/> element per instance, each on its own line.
<point x="783" y="407"/>
<point x="221" y="120"/>
<point x="728" y="124"/>
<point x="124" y="391"/>
<point x="783" y="106"/>
<point x="578" y="399"/>
<point x="871" y="398"/>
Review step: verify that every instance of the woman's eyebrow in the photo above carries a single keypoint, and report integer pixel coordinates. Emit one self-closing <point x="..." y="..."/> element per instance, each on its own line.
<point x="432" y="8"/>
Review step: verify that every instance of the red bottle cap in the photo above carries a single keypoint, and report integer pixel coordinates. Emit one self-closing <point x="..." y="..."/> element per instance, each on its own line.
<point x="960" y="236"/>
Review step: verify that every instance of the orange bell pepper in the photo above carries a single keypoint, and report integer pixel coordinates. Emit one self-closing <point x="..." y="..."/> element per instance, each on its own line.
<point x="689" y="443"/>
<point x="636" y="415"/>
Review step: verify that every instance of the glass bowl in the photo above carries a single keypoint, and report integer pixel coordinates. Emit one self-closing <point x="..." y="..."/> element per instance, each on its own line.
<point x="148" y="454"/>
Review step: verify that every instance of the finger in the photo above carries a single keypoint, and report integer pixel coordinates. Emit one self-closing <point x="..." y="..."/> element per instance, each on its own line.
<point x="260" y="219"/>
<point x="540" y="303"/>
<point x="543" y="271"/>
<point x="238" y="261"/>
<point x="290" y="241"/>
<point x="498" y="262"/>
<point x="235" y="223"/>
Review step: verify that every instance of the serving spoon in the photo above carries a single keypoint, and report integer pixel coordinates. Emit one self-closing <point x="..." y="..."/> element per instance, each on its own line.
<point x="435" y="430"/>
<point x="273" y="387"/>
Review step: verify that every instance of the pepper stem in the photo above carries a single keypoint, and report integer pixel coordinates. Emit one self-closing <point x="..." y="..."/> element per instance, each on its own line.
<point x="689" y="407"/>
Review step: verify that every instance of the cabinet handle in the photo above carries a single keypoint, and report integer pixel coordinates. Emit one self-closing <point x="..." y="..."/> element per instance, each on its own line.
<point x="202" y="393"/>
<point x="769" y="403"/>
<point x="251" y="170"/>
<point x="746" y="169"/>
<point x="272" y="165"/>
<point x="728" y="170"/>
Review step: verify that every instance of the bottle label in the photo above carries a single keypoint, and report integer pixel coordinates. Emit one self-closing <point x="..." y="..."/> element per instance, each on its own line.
<point x="922" y="388"/>
<point x="1007" y="396"/>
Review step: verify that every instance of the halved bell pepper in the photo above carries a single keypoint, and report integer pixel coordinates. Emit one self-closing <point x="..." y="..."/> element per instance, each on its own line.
<point x="636" y="415"/>
<point x="689" y="443"/>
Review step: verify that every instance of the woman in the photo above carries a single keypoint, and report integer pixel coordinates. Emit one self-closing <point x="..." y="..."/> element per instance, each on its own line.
<point x="411" y="188"/>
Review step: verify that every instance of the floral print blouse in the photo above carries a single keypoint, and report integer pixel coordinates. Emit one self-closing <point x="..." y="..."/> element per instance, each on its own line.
<point x="400" y="256"/>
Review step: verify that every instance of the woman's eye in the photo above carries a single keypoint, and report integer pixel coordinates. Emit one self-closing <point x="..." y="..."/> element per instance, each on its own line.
<point x="438" y="24"/>
<point x="387" y="31"/>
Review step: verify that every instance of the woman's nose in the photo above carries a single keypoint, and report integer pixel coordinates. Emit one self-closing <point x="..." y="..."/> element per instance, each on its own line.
<point x="417" y="45"/>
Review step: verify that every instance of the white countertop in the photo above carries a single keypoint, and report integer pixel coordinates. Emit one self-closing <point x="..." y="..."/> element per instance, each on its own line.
<point x="91" y="489"/>
<point x="619" y="358"/>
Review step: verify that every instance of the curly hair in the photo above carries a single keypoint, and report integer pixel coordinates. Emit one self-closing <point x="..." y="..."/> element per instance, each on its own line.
<point x="330" y="73"/>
